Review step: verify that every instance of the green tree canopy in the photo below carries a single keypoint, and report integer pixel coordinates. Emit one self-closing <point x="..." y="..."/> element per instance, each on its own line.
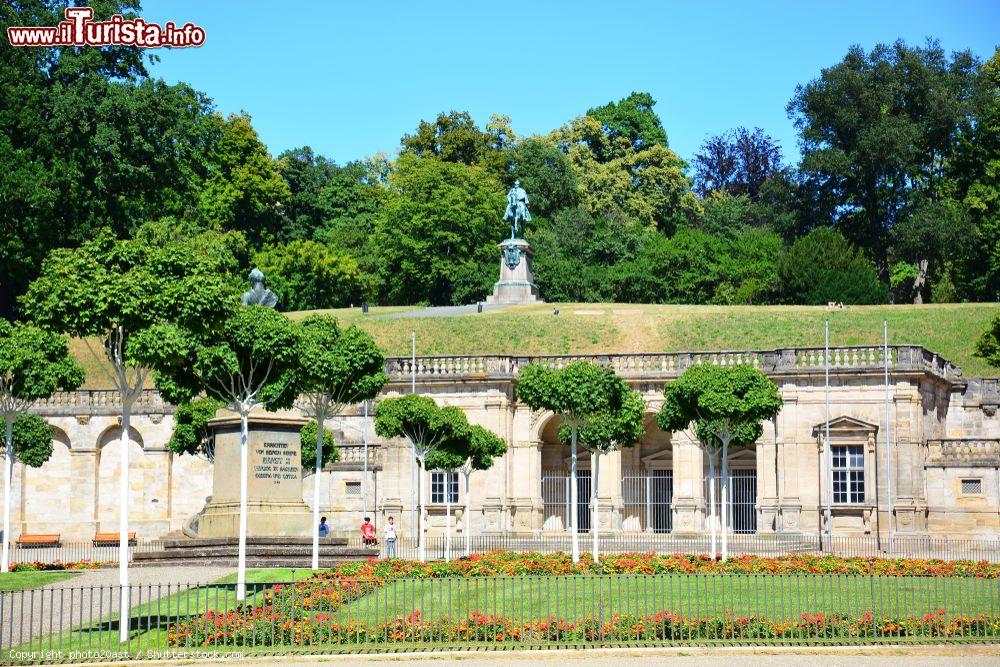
<point x="34" y="364"/>
<point x="545" y="173"/>
<point x="988" y="345"/>
<point x="31" y="440"/>
<point x="191" y="434"/>
<point x="308" y="437"/>
<point x="420" y="420"/>
<point x="823" y="266"/>
<point x="441" y="217"/>
<point x="632" y="121"/>
<point x="307" y="275"/>
<point x="577" y="392"/>
<point x="878" y="127"/>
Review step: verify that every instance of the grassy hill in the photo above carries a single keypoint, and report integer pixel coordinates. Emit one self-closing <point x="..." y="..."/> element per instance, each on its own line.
<point x="948" y="329"/>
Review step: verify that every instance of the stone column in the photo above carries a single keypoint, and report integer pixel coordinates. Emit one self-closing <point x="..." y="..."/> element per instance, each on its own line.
<point x="790" y="499"/>
<point x="905" y="471"/>
<point x="767" y="483"/>
<point x="688" y="501"/>
<point x="609" y="492"/>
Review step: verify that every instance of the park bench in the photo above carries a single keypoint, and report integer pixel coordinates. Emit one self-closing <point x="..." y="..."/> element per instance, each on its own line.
<point x="111" y="539"/>
<point x="39" y="540"/>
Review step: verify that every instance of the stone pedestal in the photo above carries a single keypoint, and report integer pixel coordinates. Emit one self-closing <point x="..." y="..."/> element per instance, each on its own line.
<point x="516" y="284"/>
<point x="274" y="480"/>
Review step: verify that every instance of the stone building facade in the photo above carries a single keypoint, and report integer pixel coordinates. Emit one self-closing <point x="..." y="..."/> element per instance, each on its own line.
<point x="942" y="469"/>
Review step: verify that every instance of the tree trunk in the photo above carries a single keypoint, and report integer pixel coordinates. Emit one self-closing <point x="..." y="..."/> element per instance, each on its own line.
<point x="125" y="601"/>
<point x="573" y="497"/>
<point x="320" y="418"/>
<point x="593" y="500"/>
<point x="241" y="564"/>
<point x="422" y="546"/>
<point x="725" y="499"/>
<point x="920" y="281"/>
<point x="8" y="480"/>
<point x="711" y="502"/>
<point x="468" y="513"/>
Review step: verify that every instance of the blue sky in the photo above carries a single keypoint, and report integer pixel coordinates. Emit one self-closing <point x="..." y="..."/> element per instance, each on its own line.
<point x="350" y="78"/>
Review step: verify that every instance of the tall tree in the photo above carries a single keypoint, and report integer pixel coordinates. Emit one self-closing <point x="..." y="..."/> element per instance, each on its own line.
<point x="306" y="174"/>
<point x="726" y="405"/>
<point x="307" y="275"/>
<point x="823" y="266"/>
<point x="545" y="173"/>
<point x="578" y="393"/>
<point x="441" y="217"/>
<point x="607" y="432"/>
<point x="631" y="120"/>
<point x="988" y="345"/>
<point x="878" y="127"/>
<point x="34" y="364"/>
<point x="114" y="291"/>
<point x="428" y="428"/>
<point x="339" y="367"/>
<point x="249" y="359"/>
<point x="737" y="162"/>
<point x="245" y="190"/>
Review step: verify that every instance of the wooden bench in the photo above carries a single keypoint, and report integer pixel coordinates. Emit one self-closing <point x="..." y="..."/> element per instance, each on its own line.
<point x="39" y="540"/>
<point x="111" y="539"/>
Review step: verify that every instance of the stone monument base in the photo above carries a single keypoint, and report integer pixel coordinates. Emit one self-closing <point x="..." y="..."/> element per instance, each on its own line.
<point x="274" y="480"/>
<point x="261" y="552"/>
<point x="516" y="284"/>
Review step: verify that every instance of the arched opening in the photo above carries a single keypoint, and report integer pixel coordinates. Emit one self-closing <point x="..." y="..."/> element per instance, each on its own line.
<point x="648" y="481"/>
<point x="108" y="505"/>
<point x="556" y="480"/>
<point x="742" y="490"/>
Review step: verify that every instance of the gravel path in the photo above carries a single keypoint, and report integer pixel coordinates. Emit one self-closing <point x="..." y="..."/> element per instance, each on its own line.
<point x="89" y="597"/>
<point x="444" y="311"/>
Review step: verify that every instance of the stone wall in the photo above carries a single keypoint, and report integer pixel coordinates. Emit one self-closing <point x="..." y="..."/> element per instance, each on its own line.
<point x="944" y="429"/>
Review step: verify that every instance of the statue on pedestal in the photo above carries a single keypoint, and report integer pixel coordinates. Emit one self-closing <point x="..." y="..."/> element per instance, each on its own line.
<point x="258" y="295"/>
<point x="517" y="208"/>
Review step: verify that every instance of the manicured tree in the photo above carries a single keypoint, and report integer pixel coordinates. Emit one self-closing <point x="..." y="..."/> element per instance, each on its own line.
<point x="427" y="427"/>
<point x="250" y="360"/>
<point x="608" y="432"/>
<point x="191" y="434"/>
<point x="338" y="367"/>
<point x="111" y="290"/>
<point x="484" y="448"/>
<point x="577" y="393"/>
<point x="34" y="364"/>
<point x="726" y="405"/>
<point x="988" y="345"/>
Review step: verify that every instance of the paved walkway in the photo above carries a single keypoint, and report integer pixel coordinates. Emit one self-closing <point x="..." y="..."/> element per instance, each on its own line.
<point x="33" y="613"/>
<point x="443" y="311"/>
<point x="910" y="656"/>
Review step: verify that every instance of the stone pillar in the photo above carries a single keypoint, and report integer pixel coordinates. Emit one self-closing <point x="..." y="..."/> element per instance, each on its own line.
<point x="517" y="283"/>
<point x="789" y="494"/>
<point x="609" y="492"/>
<point x="767" y="484"/>
<point x="688" y="501"/>
<point x="274" y="479"/>
<point x="906" y="472"/>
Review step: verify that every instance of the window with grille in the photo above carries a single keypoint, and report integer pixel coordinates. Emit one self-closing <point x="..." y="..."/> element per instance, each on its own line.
<point x="848" y="474"/>
<point x="439" y="482"/>
<point x="353" y="488"/>
<point x="972" y="487"/>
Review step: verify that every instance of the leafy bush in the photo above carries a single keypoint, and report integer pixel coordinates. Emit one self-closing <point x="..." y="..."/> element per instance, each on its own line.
<point x="822" y="267"/>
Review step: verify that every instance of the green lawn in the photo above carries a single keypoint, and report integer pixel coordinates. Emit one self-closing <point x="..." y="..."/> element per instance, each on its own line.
<point x="950" y="330"/>
<point x="776" y="597"/>
<point x="19" y="581"/>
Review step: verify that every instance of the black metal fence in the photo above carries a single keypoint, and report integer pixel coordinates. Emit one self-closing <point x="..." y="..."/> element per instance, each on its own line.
<point x="75" y="552"/>
<point x="336" y="615"/>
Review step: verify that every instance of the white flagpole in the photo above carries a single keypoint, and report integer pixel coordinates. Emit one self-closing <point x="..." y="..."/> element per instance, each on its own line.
<point x="888" y="433"/>
<point x="413" y="468"/>
<point x="828" y="455"/>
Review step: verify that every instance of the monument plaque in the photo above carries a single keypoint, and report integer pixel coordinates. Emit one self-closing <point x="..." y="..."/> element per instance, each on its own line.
<point x="274" y="481"/>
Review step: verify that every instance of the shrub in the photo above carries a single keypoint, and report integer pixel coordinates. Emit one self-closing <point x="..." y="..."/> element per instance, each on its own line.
<point x="822" y="267"/>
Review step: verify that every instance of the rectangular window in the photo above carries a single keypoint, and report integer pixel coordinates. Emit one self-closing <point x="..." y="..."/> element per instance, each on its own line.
<point x="848" y="474"/>
<point x="438" y="482"/>
<point x="972" y="487"/>
<point x="352" y="488"/>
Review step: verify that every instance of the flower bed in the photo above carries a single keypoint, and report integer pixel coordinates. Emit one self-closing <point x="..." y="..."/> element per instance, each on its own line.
<point x="265" y="626"/>
<point x="49" y="567"/>
<point x="515" y="563"/>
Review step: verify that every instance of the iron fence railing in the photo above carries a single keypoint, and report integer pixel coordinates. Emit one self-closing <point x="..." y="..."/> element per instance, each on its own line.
<point x="80" y="623"/>
<point x="75" y="552"/>
<point x="773" y="544"/>
<point x="763" y="544"/>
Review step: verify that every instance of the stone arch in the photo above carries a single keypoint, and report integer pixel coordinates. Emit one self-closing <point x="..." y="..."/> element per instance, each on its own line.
<point x="47" y="492"/>
<point x="107" y="493"/>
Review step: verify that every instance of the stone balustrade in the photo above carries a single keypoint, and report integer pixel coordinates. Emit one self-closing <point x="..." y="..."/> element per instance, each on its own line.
<point x="971" y="452"/>
<point x="353" y="457"/>
<point x="655" y="366"/>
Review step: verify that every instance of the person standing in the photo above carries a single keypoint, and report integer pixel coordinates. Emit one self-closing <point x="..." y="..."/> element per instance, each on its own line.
<point x="390" y="538"/>
<point x="368" y="533"/>
<point x="324" y="529"/>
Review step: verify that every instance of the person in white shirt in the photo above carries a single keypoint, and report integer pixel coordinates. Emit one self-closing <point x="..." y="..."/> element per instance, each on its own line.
<point x="390" y="538"/>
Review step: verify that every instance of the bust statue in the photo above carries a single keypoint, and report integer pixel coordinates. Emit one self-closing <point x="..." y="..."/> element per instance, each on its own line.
<point x="258" y="295"/>
<point x="517" y="208"/>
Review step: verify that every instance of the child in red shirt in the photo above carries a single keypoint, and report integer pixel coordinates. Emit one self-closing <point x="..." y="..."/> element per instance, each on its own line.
<point x="368" y="533"/>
